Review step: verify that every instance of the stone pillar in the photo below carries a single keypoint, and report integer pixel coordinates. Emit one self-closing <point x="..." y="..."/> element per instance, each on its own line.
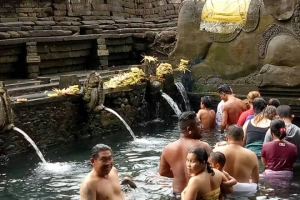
<point x="32" y="60"/>
<point x="102" y="53"/>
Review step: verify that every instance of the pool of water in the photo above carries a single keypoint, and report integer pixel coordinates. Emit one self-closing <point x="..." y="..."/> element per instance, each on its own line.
<point x="22" y="177"/>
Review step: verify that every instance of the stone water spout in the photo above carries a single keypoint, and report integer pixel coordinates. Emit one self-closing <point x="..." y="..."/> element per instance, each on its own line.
<point x="93" y="92"/>
<point x="6" y="112"/>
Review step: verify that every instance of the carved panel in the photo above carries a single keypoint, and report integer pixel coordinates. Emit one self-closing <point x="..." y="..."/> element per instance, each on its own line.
<point x="280" y="9"/>
<point x="252" y="16"/>
<point x="271" y="32"/>
<point x="224" y="37"/>
<point x="296" y="20"/>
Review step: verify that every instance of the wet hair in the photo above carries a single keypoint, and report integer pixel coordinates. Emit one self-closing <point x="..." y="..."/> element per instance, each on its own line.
<point x="187" y="119"/>
<point x="274" y="102"/>
<point x="252" y="95"/>
<point x="218" y="157"/>
<point x="225" y="89"/>
<point x="284" y="111"/>
<point x="259" y="104"/>
<point x="202" y="156"/>
<point x="206" y="101"/>
<point x="277" y="127"/>
<point x="235" y="132"/>
<point x="99" y="147"/>
<point x="270" y="112"/>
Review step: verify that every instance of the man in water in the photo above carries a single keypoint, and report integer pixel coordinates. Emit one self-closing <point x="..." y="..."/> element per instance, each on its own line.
<point x="103" y="181"/>
<point x="173" y="157"/>
<point x="241" y="163"/>
<point x="232" y="108"/>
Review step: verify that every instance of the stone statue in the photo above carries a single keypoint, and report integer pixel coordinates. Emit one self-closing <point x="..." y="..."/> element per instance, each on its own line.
<point x="230" y="39"/>
<point x="6" y="113"/>
<point x="93" y="92"/>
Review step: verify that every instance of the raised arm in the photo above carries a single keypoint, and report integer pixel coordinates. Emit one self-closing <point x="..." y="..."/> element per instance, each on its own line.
<point x="164" y="167"/>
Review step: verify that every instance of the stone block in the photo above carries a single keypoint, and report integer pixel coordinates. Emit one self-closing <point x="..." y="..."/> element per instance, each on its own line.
<point x="89" y="22"/>
<point x="86" y="27"/>
<point x="43" y="48"/>
<point x="103" y="62"/>
<point x="45" y="23"/>
<point x="68" y="80"/>
<point x="13" y="19"/>
<point x="104" y="22"/>
<point x="170" y="12"/>
<point x="10" y="51"/>
<point x="89" y="18"/>
<point x="97" y="31"/>
<point x="15" y="28"/>
<point x="81" y="46"/>
<point x="59" y="48"/>
<point x="42" y="15"/>
<point x="31" y="54"/>
<point x="102" y="52"/>
<point x="129" y="11"/>
<point x="81" y="53"/>
<point x="9" y="59"/>
<point x="135" y="25"/>
<point x="114" y="42"/>
<point x="101" y="41"/>
<point x="136" y="20"/>
<point x="44" y="33"/>
<point x="23" y="33"/>
<point x="32" y="14"/>
<point x="3" y="29"/>
<point x="24" y="10"/>
<point x="102" y="47"/>
<point x="107" y="27"/>
<point x="100" y="7"/>
<point x="31" y="49"/>
<point x="4" y="35"/>
<point x="60" y="13"/>
<point x="32" y="75"/>
<point x="54" y="56"/>
<point x="27" y="19"/>
<point x="101" y="13"/>
<point x="38" y="28"/>
<point x="116" y="8"/>
<point x="33" y="69"/>
<point x="122" y="25"/>
<point x="21" y="15"/>
<point x="81" y="12"/>
<point x="33" y="59"/>
<point x="119" y="49"/>
<point x="59" y="6"/>
<point x="129" y="5"/>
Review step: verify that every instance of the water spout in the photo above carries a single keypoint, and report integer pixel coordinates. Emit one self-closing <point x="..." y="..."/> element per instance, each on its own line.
<point x="172" y="103"/>
<point x="124" y="122"/>
<point x="38" y="152"/>
<point x="183" y="93"/>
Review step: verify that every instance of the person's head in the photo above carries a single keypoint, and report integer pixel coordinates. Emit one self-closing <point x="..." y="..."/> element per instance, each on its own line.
<point x="224" y="91"/>
<point x="196" y="162"/>
<point x="270" y="112"/>
<point x="252" y="95"/>
<point x="277" y="127"/>
<point x="190" y="125"/>
<point x="206" y="102"/>
<point x="217" y="160"/>
<point x="102" y="159"/>
<point x="259" y="104"/>
<point x="274" y="102"/>
<point x="235" y="133"/>
<point x="284" y="112"/>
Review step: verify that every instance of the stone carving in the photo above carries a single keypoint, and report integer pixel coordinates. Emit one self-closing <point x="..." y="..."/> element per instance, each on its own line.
<point x="280" y="9"/>
<point x="252" y="16"/>
<point x="6" y="113"/>
<point x="271" y="32"/>
<point x="240" y="45"/>
<point x="164" y="42"/>
<point x="93" y="92"/>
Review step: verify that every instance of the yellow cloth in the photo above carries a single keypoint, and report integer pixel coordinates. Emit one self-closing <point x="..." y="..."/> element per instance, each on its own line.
<point x="213" y="195"/>
<point x="225" y="10"/>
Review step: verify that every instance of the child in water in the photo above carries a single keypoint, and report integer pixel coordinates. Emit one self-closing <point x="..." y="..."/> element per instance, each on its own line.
<point x="217" y="161"/>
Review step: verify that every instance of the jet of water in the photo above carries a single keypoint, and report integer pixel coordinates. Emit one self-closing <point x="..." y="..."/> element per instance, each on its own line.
<point x="32" y="143"/>
<point x="172" y="103"/>
<point x="183" y="93"/>
<point x="124" y="122"/>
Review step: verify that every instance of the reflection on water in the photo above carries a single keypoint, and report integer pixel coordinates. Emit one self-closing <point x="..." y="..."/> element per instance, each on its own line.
<point x="23" y="178"/>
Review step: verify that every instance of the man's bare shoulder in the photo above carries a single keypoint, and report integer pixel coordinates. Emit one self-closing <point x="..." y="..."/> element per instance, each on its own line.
<point x="171" y="146"/>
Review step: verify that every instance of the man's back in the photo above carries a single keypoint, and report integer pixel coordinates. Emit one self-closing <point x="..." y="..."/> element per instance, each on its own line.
<point x="175" y="155"/>
<point x="234" y="108"/>
<point x="241" y="163"/>
<point x="208" y="118"/>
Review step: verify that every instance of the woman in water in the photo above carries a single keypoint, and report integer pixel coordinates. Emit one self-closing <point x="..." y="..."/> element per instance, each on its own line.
<point x="278" y="156"/>
<point x="205" y="182"/>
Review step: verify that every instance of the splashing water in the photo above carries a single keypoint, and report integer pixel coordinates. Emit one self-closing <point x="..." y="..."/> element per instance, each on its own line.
<point x="124" y="122"/>
<point x="172" y="103"/>
<point x="183" y="93"/>
<point x="38" y="152"/>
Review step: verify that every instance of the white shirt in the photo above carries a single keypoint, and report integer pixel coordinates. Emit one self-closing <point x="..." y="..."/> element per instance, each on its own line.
<point x="219" y="113"/>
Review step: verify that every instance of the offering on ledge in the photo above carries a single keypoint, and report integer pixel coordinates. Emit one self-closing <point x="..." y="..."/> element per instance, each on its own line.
<point x="164" y="68"/>
<point x="183" y="66"/>
<point x="71" y="90"/>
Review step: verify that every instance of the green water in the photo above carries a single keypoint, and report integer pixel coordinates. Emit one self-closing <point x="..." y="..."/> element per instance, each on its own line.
<point x="21" y="177"/>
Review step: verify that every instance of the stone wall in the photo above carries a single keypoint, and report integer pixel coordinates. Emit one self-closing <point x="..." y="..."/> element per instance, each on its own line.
<point x="51" y="121"/>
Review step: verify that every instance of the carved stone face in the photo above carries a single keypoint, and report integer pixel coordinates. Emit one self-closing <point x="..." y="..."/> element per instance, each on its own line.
<point x="93" y="79"/>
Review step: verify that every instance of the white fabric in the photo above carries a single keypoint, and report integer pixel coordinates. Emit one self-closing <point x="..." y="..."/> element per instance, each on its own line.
<point x="219" y="113"/>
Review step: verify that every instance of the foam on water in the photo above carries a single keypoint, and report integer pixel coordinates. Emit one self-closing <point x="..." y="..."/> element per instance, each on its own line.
<point x="55" y="168"/>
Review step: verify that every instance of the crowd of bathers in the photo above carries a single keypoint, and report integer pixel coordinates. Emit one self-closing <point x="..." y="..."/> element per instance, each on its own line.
<point x="253" y="129"/>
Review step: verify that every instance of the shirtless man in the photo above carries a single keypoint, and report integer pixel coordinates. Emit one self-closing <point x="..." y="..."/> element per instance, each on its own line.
<point x="103" y="181"/>
<point x="173" y="157"/>
<point x="241" y="163"/>
<point x="232" y="108"/>
<point x="206" y="114"/>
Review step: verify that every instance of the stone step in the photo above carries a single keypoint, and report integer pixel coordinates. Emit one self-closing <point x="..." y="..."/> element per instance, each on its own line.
<point x="21" y="84"/>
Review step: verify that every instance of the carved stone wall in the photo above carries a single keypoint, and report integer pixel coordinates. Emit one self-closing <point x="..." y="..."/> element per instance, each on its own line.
<point x="55" y="120"/>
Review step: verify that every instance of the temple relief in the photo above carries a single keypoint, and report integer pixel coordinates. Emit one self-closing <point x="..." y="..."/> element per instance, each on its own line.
<point x="93" y="92"/>
<point x="6" y="113"/>
<point x="231" y="39"/>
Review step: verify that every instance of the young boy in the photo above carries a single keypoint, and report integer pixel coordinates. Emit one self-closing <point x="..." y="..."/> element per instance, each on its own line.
<point x="217" y="161"/>
<point x="206" y="114"/>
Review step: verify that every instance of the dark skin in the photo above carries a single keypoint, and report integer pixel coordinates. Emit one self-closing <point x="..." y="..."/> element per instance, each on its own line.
<point x="174" y="166"/>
